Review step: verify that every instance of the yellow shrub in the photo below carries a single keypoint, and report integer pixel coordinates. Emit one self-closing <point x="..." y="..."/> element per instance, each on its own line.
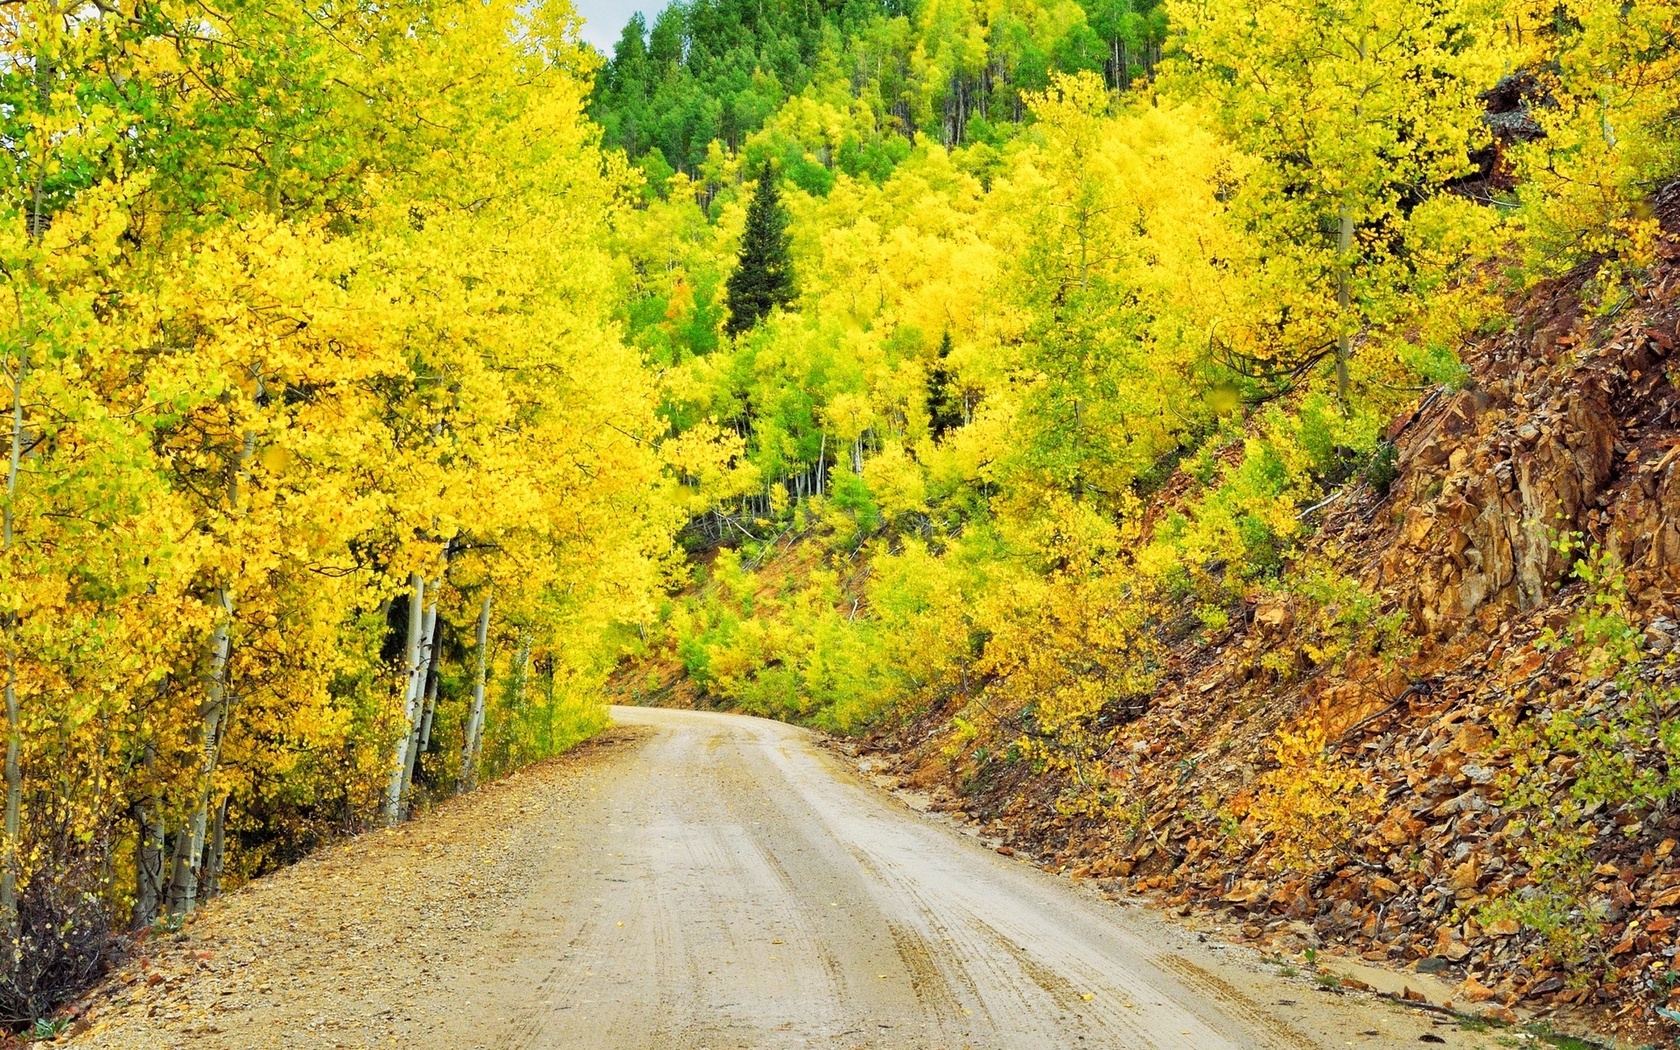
<point x="1312" y="805"/>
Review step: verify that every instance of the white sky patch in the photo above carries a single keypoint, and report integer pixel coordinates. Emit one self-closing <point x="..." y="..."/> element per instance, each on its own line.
<point x="603" y="20"/>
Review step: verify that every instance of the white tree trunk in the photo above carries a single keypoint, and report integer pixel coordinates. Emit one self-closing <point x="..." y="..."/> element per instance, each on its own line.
<point x="521" y="676"/>
<point x="14" y="804"/>
<point x="475" y="720"/>
<point x="1344" y="279"/>
<point x="189" y="852"/>
<point x="521" y="671"/>
<point x="214" y="861"/>
<point x="428" y="658"/>
<point x="411" y="694"/>
<point x="189" y="855"/>
<point x="9" y="851"/>
<point x="432" y="686"/>
<point x="148" y="850"/>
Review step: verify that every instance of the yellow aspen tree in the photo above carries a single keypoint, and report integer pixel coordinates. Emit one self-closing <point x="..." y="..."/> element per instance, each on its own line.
<point x="1608" y="140"/>
<point x="72" y="471"/>
<point x="1360" y="113"/>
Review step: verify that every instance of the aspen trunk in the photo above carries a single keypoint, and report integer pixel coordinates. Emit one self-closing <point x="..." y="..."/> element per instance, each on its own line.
<point x="148" y="849"/>
<point x="548" y="709"/>
<point x="428" y="669"/>
<point x="14" y="804"/>
<point x="431" y="697"/>
<point x="411" y="693"/>
<point x="180" y="859"/>
<point x="1344" y="280"/>
<point x="186" y="876"/>
<point x="521" y="671"/>
<point x="148" y="863"/>
<point x="521" y="680"/>
<point x="14" y="729"/>
<point x="218" y="851"/>
<point x="189" y="845"/>
<point x="475" y="720"/>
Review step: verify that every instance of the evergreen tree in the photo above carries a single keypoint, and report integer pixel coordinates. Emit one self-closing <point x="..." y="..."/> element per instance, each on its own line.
<point x="945" y="402"/>
<point x="764" y="276"/>
<point x="628" y="79"/>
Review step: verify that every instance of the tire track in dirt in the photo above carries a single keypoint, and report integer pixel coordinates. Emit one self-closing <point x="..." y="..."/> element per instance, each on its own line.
<point x="697" y="881"/>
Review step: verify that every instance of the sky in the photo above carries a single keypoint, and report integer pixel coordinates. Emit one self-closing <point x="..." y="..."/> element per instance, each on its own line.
<point x="603" y="20"/>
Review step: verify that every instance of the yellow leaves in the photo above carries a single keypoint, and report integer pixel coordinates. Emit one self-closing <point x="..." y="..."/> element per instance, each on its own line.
<point x="847" y="415"/>
<point x="1310" y="807"/>
<point x="907" y="253"/>
<point x="896" y="481"/>
<point x="263" y="377"/>
<point x="1608" y="137"/>
<point x="1071" y="108"/>
<point x="704" y="459"/>
<point x="1351" y="114"/>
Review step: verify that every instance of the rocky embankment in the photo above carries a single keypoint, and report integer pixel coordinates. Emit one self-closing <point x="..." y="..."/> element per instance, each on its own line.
<point x="1568" y="426"/>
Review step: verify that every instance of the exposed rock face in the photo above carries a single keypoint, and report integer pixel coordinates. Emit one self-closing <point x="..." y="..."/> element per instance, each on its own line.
<point x="1563" y="432"/>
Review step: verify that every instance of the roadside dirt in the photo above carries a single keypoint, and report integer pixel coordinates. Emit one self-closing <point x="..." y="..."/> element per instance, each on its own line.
<point x="355" y="945"/>
<point x="694" y="880"/>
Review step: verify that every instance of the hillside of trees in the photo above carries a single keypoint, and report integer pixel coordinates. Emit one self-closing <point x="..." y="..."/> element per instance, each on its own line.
<point x="720" y="70"/>
<point x="382" y="380"/>
<point x="1085" y="375"/>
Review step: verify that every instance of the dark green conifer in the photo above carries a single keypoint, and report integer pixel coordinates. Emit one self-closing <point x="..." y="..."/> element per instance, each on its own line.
<point x="764" y="277"/>
<point x="945" y="403"/>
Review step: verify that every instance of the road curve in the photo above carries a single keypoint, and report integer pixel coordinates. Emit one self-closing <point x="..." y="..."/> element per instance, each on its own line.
<point x="737" y="886"/>
<point x="693" y="881"/>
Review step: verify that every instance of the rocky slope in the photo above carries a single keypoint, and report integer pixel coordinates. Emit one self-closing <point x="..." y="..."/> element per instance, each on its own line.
<point x="1567" y="426"/>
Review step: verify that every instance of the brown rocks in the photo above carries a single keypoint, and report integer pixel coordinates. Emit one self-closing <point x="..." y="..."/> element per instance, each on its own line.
<point x="1474" y="991"/>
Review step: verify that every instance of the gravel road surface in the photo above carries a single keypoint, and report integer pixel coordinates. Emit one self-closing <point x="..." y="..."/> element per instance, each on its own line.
<point x="699" y="880"/>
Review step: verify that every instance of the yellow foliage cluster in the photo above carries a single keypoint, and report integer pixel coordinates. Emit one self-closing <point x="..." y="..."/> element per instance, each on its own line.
<point x="1311" y="807"/>
<point x="1612" y="75"/>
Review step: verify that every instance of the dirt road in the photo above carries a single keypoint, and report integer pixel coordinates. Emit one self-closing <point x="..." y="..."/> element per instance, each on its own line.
<point x="704" y="881"/>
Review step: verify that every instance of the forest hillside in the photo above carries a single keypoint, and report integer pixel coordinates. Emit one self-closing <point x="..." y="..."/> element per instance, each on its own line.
<point x="1438" y="739"/>
<point x="1443" y="742"/>
<point x="1239" y="478"/>
<point x="1225" y="442"/>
